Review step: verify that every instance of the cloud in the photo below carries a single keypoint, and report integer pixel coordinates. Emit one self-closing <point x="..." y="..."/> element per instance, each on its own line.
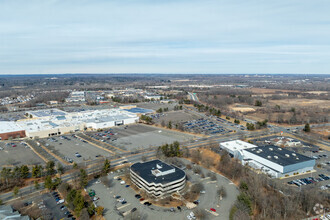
<point x="181" y="36"/>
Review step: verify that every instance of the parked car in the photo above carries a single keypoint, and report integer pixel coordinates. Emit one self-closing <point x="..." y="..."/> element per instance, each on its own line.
<point x="213" y="210"/>
<point x="60" y="201"/>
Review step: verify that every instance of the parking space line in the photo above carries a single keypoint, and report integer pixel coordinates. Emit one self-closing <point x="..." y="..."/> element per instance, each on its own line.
<point x="123" y="206"/>
<point x="96" y="145"/>
<point x="212" y="181"/>
<point x="107" y="144"/>
<point x="42" y="157"/>
<point x="54" y="155"/>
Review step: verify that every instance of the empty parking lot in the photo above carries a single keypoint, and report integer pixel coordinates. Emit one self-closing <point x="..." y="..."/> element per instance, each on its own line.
<point x="15" y="153"/>
<point x="69" y="147"/>
<point x="134" y="137"/>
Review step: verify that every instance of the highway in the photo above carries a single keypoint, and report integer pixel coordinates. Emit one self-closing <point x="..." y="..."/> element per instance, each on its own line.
<point x="193" y="96"/>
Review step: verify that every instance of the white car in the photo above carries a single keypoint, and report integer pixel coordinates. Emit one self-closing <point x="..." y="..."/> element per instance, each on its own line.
<point x="192" y="215"/>
<point x="60" y="201"/>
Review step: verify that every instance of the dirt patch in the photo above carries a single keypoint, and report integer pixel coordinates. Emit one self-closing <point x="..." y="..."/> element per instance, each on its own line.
<point x="323" y="131"/>
<point x="243" y="109"/>
<point x="302" y="103"/>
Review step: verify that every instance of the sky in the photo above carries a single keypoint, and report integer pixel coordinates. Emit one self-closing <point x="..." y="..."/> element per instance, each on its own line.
<point x="164" y="36"/>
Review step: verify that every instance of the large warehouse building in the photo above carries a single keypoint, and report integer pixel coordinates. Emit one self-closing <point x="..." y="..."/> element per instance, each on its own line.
<point x="158" y="178"/>
<point x="49" y="122"/>
<point x="235" y="148"/>
<point x="276" y="161"/>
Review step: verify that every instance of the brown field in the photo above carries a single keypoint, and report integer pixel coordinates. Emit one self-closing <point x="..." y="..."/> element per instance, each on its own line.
<point x="242" y="108"/>
<point x="270" y="91"/>
<point x="323" y="131"/>
<point x="302" y="103"/>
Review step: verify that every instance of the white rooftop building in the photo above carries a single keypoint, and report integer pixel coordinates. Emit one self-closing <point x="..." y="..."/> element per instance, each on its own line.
<point x="235" y="148"/>
<point x="45" y="123"/>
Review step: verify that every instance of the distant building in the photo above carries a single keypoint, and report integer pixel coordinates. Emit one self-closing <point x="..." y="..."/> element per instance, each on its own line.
<point x="77" y="96"/>
<point x="157" y="178"/>
<point x="276" y="161"/>
<point x="8" y="213"/>
<point x="53" y="102"/>
<point x="153" y="97"/>
<point x="235" y="148"/>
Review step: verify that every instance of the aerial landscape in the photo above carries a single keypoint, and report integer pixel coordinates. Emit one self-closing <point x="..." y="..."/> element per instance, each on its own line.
<point x="164" y="110"/>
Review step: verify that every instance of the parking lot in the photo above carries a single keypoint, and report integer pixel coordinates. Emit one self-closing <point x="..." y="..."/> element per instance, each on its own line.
<point x="68" y="147"/>
<point x="111" y="197"/>
<point x="16" y="153"/>
<point x="46" y="205"/>
<point x="139" y="136"/>
<point x="205" y="126"/>
<point x="174" y="117"/>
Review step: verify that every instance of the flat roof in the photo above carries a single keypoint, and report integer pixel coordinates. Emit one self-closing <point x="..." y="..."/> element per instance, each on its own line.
<point x="47" y="112"/>
<point x="144" y="171"/>
<point x="139" y="110"/>
<point x="278" y="155"/>
<point x="237" y="145"/>
<point x="9" y="126"/>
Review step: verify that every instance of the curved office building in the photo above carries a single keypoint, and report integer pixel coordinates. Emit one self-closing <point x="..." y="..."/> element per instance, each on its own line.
<point x="158" y="178"/>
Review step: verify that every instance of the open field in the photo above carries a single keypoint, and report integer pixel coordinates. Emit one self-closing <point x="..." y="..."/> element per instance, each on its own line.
<point x="19" y="155"/>
<point x="323" y="131"/>
<point x="302" y="103"/>
<point x="270" y="91"/>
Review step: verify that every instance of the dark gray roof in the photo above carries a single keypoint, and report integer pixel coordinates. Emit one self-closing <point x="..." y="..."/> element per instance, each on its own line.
<point x="144" y="171"/>
<point x="278" y="155"/>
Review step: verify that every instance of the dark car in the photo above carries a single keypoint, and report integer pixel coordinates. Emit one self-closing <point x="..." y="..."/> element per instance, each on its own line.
<point x="179" y="208"/>
<point x="133" y="209"/>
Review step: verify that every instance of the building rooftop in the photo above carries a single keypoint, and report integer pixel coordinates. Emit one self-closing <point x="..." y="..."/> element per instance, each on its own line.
<point x="139" y="110"/>
<point x="237" y="145"/>
<point x="9" y="126"/>
<point x="149" y="171"/>
<point x="278" y="155"/>
<point x="47" y="113"/>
